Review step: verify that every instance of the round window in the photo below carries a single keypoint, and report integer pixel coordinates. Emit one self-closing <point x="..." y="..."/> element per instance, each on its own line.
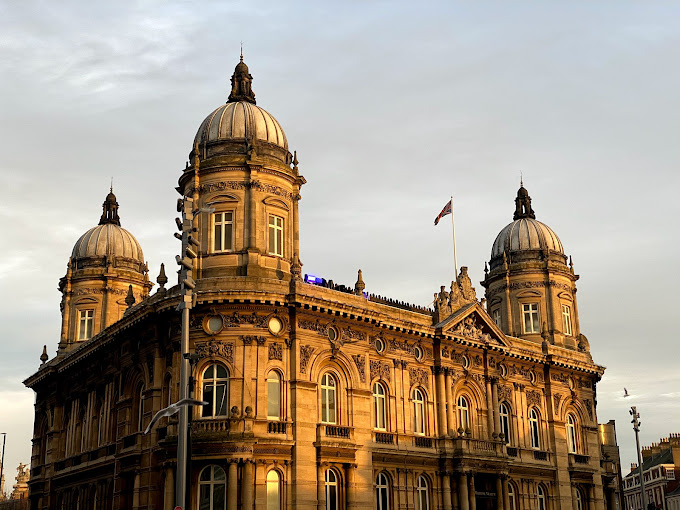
<point x="214" y="324"/>
<point x="418" y="351"/>
<point x="332" y="334"/>
<point x="379" y="345"/>
<point x="503" y="370"/>
<point x="532" y="377"/>
<point x="465" y="361"/>
<point x="275" y="325"/>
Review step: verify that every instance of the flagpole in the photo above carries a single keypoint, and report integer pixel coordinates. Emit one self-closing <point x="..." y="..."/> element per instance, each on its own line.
<point x="453" y="227"/>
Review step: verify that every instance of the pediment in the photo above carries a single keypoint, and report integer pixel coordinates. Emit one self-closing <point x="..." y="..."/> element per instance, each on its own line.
<point x="471" y="322"/>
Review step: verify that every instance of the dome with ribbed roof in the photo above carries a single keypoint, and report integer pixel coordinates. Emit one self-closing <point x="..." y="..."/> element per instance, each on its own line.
<point x="241" y="118"/>
<point x="108" y="239"/>
<point x="526" y="233"/>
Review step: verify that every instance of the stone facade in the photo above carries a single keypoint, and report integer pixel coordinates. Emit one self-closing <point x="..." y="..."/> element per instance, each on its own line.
<point x="319" y="396"/>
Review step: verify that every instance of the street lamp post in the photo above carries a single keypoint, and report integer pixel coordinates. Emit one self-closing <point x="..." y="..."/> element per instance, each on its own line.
<point x="636" y="427"/>
<point x="2" y="461"/>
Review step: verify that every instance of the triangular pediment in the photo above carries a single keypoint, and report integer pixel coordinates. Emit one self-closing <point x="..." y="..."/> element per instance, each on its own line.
<point x="471" y="322"/>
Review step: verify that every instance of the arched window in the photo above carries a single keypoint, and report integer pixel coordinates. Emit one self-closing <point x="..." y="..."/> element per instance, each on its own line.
<point x="540" y="497"/>
<point x="167" y="391"/>
<point x="504" y="414"/>
<point x="332" y="490"/>
<point x="511" y="497"/>
<point x="274" y="395"/>
<point x="418" y="412"/>
<point x="273" y="490"/>
<point x="463" y="413"/>
<point x="140" y="408"/>
<point x="212" y="489"/>
<point x="329" y="411"/>
<point x="382" y="490"/>
<point x="572" y="438"/>
<point x="423" y="494"/>
<point x="579" y="500"/>
<point x="379" y="406"/>
<point x="534" y="429"/>
<point x="215" y="391"/>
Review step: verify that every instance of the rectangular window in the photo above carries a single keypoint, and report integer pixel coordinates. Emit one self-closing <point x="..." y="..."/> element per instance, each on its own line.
<point x="223" y="231"/>
<point x="275" y="235"/>
<point x="532" y="323"/>
<point x="496" y="315"/>
<point x="85" y="324"/>
<point x="670" y="474"/>
<point x="566" y="318"/>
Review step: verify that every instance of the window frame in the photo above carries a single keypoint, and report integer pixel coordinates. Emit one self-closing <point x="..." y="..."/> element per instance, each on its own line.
<point x="379" y="406"/>
<point x="511" y="496"/>
<point x="419" y="411"/>
<point x="326" y="390"/>
<point x="382" y="491"/>
<point x="422" y="492"/>
<point x="215" y="384"/>
<point x="531" y="310"/>
<point x="572" y="433"/>
<point x="211" y="483"/>
<point x="567" y="322"/>
<point x="278" y="229"/>
<point x="332" y="485"/>
<point x="270" y="484"/>
<point x="540" y="497"/>
<point x="463" y="411"/>
<point x="140" y="407"/>
<point x="535" y="428"/>
<point x="274" y="377"/>
<point x="87" y="321"/>
<point x="223" y="223"/>
<point x="504" y="419"/>
<point x="496" y="316"/>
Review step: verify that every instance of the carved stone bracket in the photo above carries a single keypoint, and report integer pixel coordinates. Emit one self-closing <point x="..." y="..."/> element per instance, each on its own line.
<point x="305" y="353"/>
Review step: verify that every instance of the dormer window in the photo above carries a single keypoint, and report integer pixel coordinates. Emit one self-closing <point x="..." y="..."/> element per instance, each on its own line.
<point x="223" y="228"/>
<point x="531" y="322"/>
<point x="85" y="324"/>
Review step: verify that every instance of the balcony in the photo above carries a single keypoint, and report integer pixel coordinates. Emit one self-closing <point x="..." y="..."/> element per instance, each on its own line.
<point x="422" y="442"/>
<point x="211" y="426"/>
<point x="328" y="434"/>
<point x="577" y="461"/>
<point x="338" y="431"/>
<point x="276" y="427"/>
<point x="384" y="438"/>
<point x="478" y="447"/>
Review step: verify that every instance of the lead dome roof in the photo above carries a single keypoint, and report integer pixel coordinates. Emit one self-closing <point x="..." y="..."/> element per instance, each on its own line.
<point x="525" y="233"/>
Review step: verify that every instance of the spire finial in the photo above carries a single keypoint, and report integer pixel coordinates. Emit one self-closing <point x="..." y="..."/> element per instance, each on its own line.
<point x="523" y="204"/>
<point x="110" y="209"/>
<point x="241" y="84"/>
<point x="111" y="188"/>
<point x="241" y="51"/>
<point x="521" y="179"/>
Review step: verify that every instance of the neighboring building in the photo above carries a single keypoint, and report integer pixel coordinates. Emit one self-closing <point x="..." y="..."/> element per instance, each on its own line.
<point x="320" y="396"/>
<point x="611" y="465"/>
<point x="18" y="500"/>
<point x="661" y="471"/>
<point x="673" y="499"/>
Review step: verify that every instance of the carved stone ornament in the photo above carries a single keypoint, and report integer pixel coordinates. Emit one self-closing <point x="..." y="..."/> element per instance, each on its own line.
<point x="231" y="321"/>
<point x="445" y="352"/>
<point x="504" y="392"/>
<point x="584" y="383"/>
<point x="360" y="362"/>
<point x="477" y="360"/>
<point x="236" y="185"/>
<point x="420" y="377"/>
<point x="533" y="398"/>
<point x="492" y="362"/>
<point x="589" y="407"/>
<point x="462" y="293"/>
<point x="559" y="377"/>
<point x="532" y="285"/>
<point x="215" y="348"/>
<point x="380" y="370"/>
<point x="468" y="328"/>
<point x="275" y="351"/>
<point x="248" y="339"/>
<point x="305" y="353"/>
<point x="481" y="381"/>
<point x="557" y="398"/>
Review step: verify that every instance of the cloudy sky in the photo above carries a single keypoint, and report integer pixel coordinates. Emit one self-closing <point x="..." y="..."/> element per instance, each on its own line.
<point x="392" y="107"/>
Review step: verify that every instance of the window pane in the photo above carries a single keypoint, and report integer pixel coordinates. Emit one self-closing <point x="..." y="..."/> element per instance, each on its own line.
<point x="220" y="399"/>
<point x="331" y="406"/>
<point x="273" y="498"/>
<point x="208" y="374"/>
<point x="208" y="397"/>
<point x="221" y="372"/>
<point x="273" y="399"/>
<point x="218" y="237"/>
<point x="219" y="499"/>
<point x="218" y="473"/>
<point x="227" y="237"/>
<point x="272" y="247"/>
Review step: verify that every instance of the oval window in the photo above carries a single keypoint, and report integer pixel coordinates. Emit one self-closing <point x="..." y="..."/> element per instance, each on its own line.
<point x="418" y="351"/>
<point x="379" y="345"/>
<point x="332" y="334"/>
<point x="214" y="324"/>
<point x="465" y="361"/>
<point x="275" y="325"/>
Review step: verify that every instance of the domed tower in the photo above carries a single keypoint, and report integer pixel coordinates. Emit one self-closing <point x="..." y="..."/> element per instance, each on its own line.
<point x="530" y="289"/>
<point x="241" y="168"/>
<point x="105" y="261"/>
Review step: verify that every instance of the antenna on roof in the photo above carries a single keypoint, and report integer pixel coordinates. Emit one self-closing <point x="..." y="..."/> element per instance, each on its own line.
<point x="111" y="189"/>
<point x="521" y="179"/>
<point x="241" y="51"/>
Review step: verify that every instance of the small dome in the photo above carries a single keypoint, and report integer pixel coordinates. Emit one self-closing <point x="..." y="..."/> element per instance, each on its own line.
<point x="526" y="234"/>
<point x="241" y="120"/>
<point x="108" y="239"/>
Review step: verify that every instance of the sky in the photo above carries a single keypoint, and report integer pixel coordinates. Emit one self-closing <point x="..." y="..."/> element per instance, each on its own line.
<point x="392" y="106"/>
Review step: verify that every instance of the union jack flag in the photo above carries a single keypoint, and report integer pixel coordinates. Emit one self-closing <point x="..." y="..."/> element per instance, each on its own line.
<point x="445" y="211"/>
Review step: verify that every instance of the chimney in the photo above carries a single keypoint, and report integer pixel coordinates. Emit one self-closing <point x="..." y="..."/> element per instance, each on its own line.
<point x="633" y="466"/>
<point x="646" y="453"/>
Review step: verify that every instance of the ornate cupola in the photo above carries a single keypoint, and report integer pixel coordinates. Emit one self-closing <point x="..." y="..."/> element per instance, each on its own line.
<point x="241" y="168"/>
<point x="530" y="288"/>
<point x="106" y="262"/>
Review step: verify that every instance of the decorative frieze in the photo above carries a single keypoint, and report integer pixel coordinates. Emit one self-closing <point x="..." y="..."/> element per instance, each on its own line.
<point x="380" y="370"/>
<point x="360" y="362"/>
<point x="240" y="185"/>
<point x="275" y="351"/>
<point x="560" y="377"/>
<point x="236" y="319"/>
<point x="216" y="348"/>
<point x="418" y="376"/>
<point x="532" y="285"/>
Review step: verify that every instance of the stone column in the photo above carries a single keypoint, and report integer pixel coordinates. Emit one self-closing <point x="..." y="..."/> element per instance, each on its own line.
<point x="232" y="486"/>
<point x="499" y="493"/>
<point x="350" y="488"/>
<point x="169" y="492"/>
<point x="135" y="492"/>
<point x="449" y="401"/>
<point x="446" y="490"/>
<point x="506" y="494"/>
<point x="320" y="487"/>
<point x="496" y="408"/>
<point x="247" y="485"/>
<point x="471" y="491"/>
<point x="463" y="492"/>
<point x="489" y="408"/>
<point x="591" y="498"/>
<point x="441" y="401"/>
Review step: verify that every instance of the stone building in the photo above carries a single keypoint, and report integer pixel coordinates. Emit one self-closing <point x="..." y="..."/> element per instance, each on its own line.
<point x="661" y="471"/>
<point x="320" y="396"/>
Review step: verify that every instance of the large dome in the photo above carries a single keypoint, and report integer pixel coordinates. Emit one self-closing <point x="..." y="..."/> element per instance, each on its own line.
<point x="526" y="233"/>
<point x="241" y="120"/>
<point x="108" y="239"/>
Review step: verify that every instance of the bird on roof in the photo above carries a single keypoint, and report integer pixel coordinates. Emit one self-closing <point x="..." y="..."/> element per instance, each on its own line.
<point x="625" y="393"/>
<point x="173" y="409"/>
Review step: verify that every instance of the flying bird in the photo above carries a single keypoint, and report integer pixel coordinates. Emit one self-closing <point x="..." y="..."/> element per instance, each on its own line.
<point x="173" y="409"/>
<point x="625" y="393"/>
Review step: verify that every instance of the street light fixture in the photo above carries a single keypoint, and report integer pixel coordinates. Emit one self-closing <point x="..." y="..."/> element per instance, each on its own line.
<point x="636" y="427"/>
